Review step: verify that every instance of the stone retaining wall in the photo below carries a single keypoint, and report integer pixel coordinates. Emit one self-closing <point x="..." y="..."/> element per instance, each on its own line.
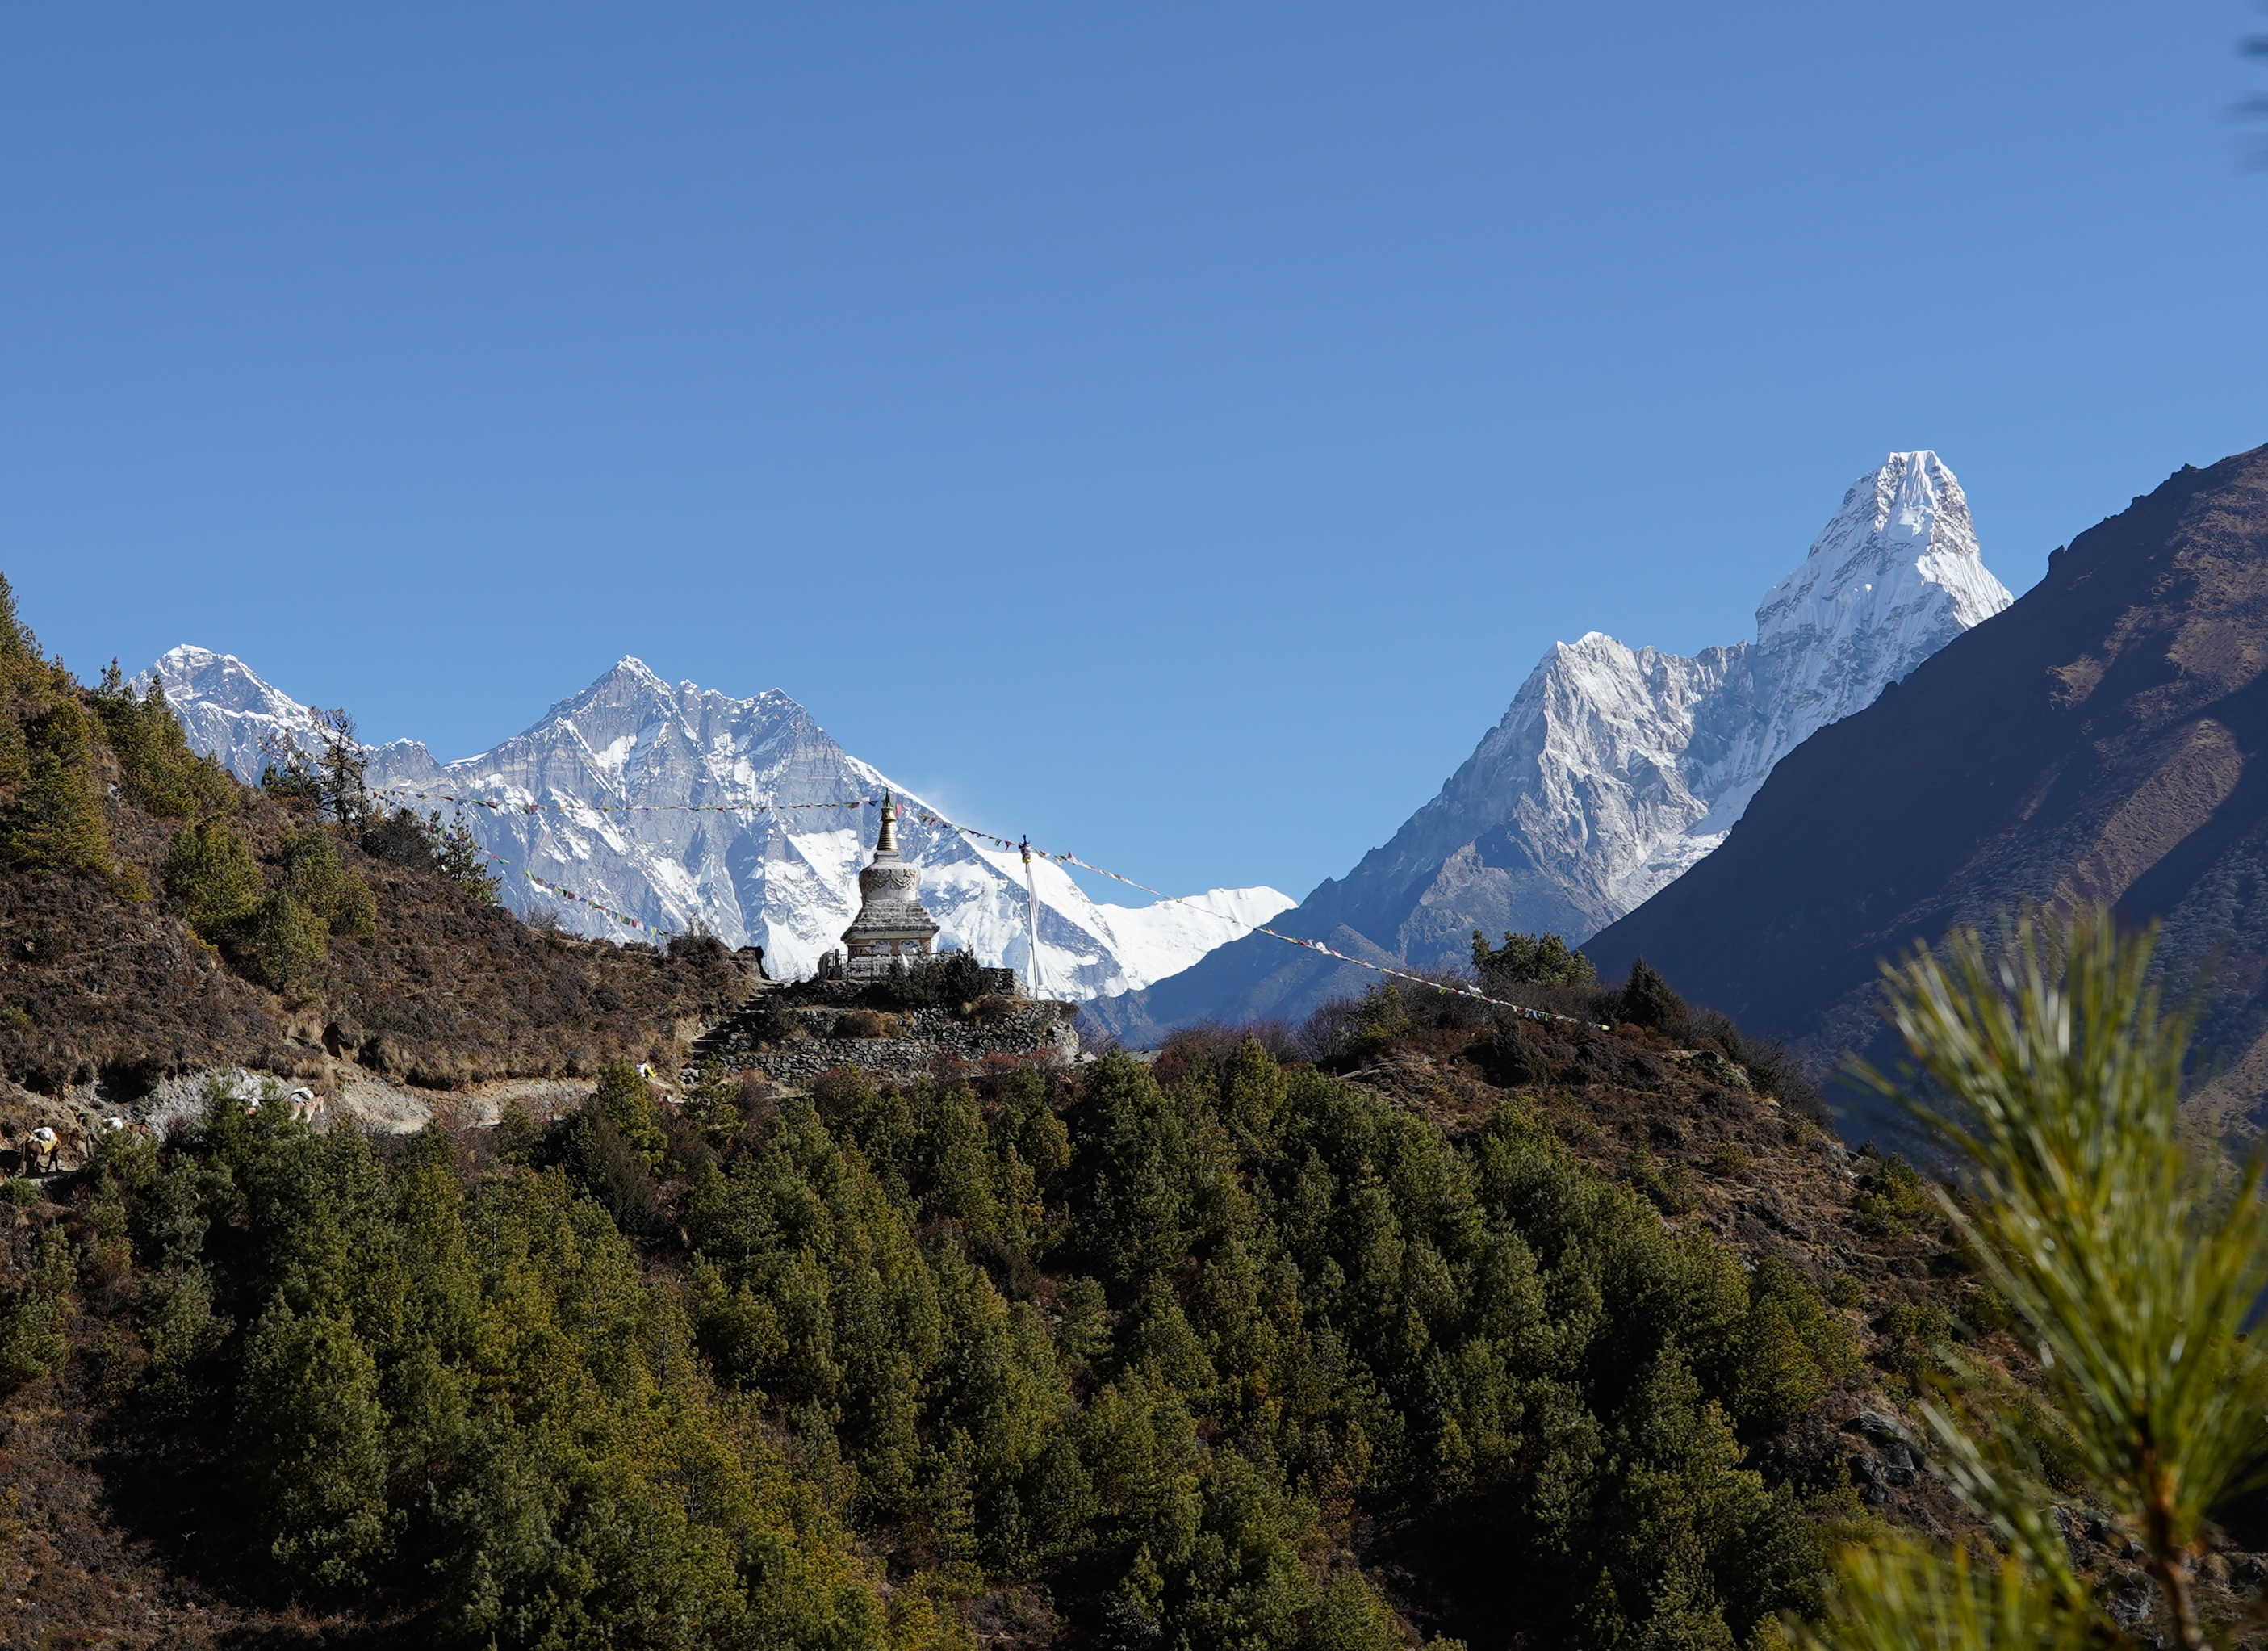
<point x="1028" y="1030"/>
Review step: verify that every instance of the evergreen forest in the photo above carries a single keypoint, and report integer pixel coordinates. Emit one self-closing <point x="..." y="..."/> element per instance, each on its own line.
<point x="1138" y="1363"/>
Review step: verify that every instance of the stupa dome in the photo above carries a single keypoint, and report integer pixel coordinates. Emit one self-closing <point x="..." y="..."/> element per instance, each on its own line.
<point x="891" y="926"/>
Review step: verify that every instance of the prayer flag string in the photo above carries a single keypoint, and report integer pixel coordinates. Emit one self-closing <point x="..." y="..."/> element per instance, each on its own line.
<point x="570" y="894"/>
<point x="929" y="817"/>
<point x="535" y="804"/>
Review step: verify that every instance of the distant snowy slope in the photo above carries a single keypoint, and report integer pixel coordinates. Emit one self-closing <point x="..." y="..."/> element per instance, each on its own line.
<point x="734" y="820"/>
<point x="1166" y="938"/>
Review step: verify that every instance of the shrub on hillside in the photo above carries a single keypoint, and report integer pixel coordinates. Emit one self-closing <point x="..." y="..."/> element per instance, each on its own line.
<point x="283" y="936"/>
<point x="311" y="1436"/>
<point x="625" y="1099"/>
<point x="945" y="981"/>
<point x="32" y="1340"/>
<point x="34" y="1302"/>
<point x="1530" y="959"/>
<point x="1789" y="1348"/>
<point x="212" y="874"/>
<point x="36" y="1310"/>
<point x="769" y="1021"/>
<point x="866" y="1023"/>
<point x="314" y="876"/>
<point x="699" y="947"/>
<point x="15" y="752"/>
<point x="404" y="837"/>
<point x="284" y="941"/>
<point x="51" y="806"/>
<point x="1352" y="1029"/>
<point x="53" y="823"/>
<point x="400" y="836"/>
<point x="1209" y="1047"/>
<point x="1893" y="1199"/>
<point x="720" y="1100"/>
<point x="1509" y="1057"/>
<point x="458" y="856"/>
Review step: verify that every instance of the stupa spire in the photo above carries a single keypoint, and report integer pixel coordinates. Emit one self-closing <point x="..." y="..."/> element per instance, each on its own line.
<point x="891" y="928"/>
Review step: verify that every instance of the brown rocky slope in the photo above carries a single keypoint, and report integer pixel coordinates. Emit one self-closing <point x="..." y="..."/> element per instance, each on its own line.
<point x="104" y="994"/>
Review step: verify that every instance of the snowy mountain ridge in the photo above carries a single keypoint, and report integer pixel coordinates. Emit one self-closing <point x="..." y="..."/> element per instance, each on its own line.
<point x="1616" y="769"/>
<point x="692" y="766"/>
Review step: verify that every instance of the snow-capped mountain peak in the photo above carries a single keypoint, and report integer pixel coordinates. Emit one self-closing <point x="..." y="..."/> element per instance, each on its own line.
<point x="1644" y="760"/>
<point x="1897" y="564"/>
<point x="682" y="805"/>
<point x="1617" y="768"/>
<point x="226" y="710"/>
<point x="1895" y="576"/>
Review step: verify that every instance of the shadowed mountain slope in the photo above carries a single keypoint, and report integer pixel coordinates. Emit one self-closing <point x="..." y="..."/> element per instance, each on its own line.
<point x="2104" y="739"/>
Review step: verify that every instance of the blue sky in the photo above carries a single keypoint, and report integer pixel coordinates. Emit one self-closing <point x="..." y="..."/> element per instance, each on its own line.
<point x="1172" y="431"/>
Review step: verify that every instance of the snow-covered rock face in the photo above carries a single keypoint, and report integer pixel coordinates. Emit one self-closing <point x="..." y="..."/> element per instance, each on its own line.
<point x="1616" y="769"/>
<point x="1893" y="578"/>
<point x="785" y="878"/>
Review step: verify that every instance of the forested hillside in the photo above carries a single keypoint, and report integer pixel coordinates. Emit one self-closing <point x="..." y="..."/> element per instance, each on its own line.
<point x="1223" y="1351"/>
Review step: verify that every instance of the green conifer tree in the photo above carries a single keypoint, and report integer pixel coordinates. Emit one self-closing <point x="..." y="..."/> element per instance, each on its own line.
<point x="1647" y="999"/>
<point x="159" y="771"/>
<point x="1531" y="960"/>
<point x="212" y="874"/>
<point x="458" y="856"/>
<point x="340" y="767"/>
<point x="2133" y="1259"/>
<point x="287" y="942"/>
<point x="17" y="645"/>
<point x="309" y="1420"/>
<point x="625" y="1099"/>
<point x="15" y="751"/>
<point x="314" y="876"/>
<point x="36" y="1312"/>
<point x="55" y="823"/>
